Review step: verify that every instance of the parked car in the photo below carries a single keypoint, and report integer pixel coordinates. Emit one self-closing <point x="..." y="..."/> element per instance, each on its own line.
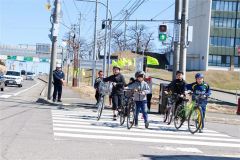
<point x="2" y="83"/>
<point x="13" y="78"/>
<point x="30" y="75"/>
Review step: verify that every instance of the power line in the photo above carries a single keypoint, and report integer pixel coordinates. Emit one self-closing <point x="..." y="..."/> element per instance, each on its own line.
<point x="122" y="9"/>
<point x="163" y="10"/>
<point x="67" y="12"/>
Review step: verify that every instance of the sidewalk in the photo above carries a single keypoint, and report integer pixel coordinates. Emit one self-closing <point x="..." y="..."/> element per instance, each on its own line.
<point x="71" y="97"/>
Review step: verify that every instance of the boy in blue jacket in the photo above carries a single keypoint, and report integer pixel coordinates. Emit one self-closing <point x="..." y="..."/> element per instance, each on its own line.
<point x="200" y="88"/>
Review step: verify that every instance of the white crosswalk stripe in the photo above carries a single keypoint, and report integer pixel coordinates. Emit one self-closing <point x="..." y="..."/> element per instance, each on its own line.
<point x="83" y="124"/>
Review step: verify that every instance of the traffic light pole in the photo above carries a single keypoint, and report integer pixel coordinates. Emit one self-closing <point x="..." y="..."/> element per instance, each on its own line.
<point x="55" y="25"/>
<point x="95" y="44"/>
<point x="105" y="45"/>
<point x="183" y="43"/>
<point x="176" y="40"/>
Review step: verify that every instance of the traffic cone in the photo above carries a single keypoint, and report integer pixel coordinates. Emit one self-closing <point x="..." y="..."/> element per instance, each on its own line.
<point x="238" y="110"/>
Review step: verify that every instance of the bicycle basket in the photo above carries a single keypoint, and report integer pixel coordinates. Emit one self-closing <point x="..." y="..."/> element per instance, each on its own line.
<point x="128" y="93"/>
<point x="105" y="88"/>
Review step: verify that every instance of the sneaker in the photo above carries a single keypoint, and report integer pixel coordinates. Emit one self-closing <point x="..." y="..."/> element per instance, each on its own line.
<point x="114" y="117"/>
<point x="146" y="125"/>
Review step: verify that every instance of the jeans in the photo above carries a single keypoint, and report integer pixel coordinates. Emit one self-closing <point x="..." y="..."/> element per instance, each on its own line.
<point x="141" y="105"/>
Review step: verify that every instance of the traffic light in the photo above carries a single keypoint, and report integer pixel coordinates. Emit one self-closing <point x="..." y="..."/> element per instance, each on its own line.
<point x="163" y="28"/>
<point x="162" y="32"/>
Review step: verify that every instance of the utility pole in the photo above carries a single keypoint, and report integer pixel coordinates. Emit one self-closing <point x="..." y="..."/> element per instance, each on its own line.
<point x="183" y="43"/>
<point x="176" y="40"/>
<point x="125" y="30"/>
<point x="75" y="46"/>
<point x="94" y="45"/>
<point x="105" y="43"/>
<point x="54" y="35"/>
<point x="136" y="27"/>
<point x="79" y="47"/>
<point x="109" y="47"/>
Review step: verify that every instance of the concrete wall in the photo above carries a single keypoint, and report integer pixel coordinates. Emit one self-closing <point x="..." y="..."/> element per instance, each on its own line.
<point x="199" y="18"/>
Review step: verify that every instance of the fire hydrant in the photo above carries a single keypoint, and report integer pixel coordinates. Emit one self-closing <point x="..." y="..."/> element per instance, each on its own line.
<point x="238" y="110"/>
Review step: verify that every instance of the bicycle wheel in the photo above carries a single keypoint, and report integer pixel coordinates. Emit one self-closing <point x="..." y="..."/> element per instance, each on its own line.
<point x="100" y="107"/>
<point x="171" y="114"/>
<point x="195" y="120"/>
<point x="130" y="116"/>
<point x="179" y="116"/>
<point x="122" y="115"/>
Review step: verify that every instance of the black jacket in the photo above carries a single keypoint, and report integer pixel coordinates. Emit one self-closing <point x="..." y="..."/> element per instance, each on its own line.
<point x="177" y="86"/>
<point x="119" y="79"/>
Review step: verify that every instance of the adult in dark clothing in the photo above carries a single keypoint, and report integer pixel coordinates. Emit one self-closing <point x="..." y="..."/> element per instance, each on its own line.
<point x="58" y="78"/>
<point x="96" y="84"/>
<point x="117" y="90"/>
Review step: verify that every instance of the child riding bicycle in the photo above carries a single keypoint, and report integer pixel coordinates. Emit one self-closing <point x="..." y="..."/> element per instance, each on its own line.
<point x="200" y="87"/>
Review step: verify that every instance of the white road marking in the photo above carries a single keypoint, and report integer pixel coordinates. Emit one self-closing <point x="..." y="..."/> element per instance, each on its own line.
<point x="149" y="140"/>
<point x="76" y="128"/>
<point x="15" y="94"/>
<point x="5" y="96"/>
<point x="83" y="124"/>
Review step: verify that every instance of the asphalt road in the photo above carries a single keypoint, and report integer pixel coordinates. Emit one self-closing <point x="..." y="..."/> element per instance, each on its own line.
<point x="31" y="131"/>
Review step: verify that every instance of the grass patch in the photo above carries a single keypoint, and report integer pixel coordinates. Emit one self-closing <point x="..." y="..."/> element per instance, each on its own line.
<point x="226" y="80"/>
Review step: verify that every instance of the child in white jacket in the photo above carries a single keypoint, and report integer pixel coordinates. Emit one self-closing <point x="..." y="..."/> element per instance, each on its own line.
<point x="141" y="89"/>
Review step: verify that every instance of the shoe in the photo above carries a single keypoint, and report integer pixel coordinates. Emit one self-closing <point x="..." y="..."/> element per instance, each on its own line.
<point x="146" y="125"/>
<point x="54" y="100"/>
<point x="200" y="131"/>
<point x="114" y="117"/>
<point x="59" y="100"/>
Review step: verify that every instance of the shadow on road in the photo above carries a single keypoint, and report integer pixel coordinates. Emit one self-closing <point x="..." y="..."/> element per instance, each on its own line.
<point x="187" y="157"/>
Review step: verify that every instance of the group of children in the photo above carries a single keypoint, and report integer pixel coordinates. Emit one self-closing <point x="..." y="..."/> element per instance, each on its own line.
<point x="142" y="89"/>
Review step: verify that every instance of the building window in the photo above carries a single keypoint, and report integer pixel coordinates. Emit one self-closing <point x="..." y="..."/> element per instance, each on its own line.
<point x="217" y="60"/>
<point x="214" y="5"/>
<point x="236" y="61"/>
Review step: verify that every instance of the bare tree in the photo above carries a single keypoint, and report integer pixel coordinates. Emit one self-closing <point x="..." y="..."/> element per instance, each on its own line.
<point x="118" y="40"/>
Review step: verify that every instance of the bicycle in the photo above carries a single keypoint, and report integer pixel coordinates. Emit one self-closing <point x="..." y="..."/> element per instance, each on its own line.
<point x="126" y="110"/>
<point x="192" y="112"/>
<point x="170" y="108"/>
<point x="104" y="88"/>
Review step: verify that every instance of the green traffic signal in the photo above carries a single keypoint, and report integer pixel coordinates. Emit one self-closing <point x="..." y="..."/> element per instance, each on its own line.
<point x="162" y="36"/>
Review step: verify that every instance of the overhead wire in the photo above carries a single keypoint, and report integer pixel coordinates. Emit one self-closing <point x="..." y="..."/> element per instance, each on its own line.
<point x="66" y="9"/>
<point x="164" y="10"/>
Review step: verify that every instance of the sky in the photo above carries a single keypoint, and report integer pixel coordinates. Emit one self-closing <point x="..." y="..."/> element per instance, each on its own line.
<point x="28" y="21"/>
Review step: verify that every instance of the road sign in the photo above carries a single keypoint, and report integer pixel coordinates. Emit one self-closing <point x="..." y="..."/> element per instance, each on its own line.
<point x="90" y="64"/>
<point x="12" y="57"/>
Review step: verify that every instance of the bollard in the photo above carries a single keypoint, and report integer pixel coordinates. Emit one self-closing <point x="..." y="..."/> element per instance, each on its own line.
<point x="238" y="110"/>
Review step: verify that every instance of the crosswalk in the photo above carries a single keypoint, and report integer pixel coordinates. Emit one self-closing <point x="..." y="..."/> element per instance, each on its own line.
<point x="4" y="96"/>
<point x="83" y="124"/>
